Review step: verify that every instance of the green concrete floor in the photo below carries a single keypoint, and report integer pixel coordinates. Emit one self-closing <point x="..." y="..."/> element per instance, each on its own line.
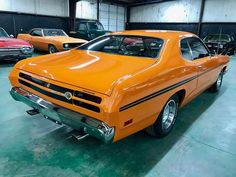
<point x="202" y="143"/>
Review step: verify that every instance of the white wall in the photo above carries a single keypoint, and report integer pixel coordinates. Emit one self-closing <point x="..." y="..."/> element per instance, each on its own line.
<point x="43" y="7"/>
<point x="172" y="11"/>
<point x="220" y="11"/>
<point x="185" y="11"/>
<point x="112" y="17"/>
<point x="86" y="9"/>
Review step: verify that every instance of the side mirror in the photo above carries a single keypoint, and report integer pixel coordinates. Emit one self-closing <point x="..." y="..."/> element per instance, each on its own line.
<point x="11" y="36"/>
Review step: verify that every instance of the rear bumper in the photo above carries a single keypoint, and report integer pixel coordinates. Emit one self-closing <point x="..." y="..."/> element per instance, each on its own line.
<point x="65" y="116"/>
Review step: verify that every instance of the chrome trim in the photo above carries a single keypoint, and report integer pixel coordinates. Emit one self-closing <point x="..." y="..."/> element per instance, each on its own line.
<point x="22" y="50"/>
<point x="10" y="49"/>
<point x="65" y="116"/>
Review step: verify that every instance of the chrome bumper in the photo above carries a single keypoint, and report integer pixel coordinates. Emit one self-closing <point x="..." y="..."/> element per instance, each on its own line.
<point x="15" y="52"/>
<point x="65" y="116"/>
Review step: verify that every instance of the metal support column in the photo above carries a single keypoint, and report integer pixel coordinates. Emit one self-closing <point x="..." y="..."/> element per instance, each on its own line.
<point x="199" y="28"/>
<point x="98" y="9"/>
<point x="72" y="14"/>
<point x="127" y="17"/>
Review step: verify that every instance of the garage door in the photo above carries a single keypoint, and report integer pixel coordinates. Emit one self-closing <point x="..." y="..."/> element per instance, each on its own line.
<point x="112" y="17"/>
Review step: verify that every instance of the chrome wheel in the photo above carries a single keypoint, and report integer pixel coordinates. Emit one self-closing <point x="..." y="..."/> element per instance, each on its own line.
<point x="169" y="114"/>
<point x="166" y="119"/>
<point x="52" y="49"/>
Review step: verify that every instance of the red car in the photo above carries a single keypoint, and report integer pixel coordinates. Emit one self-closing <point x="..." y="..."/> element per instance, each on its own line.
<point x="13" y="48"/>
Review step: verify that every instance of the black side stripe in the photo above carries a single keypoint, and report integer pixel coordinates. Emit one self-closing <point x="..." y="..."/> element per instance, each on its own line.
<point x="155" y="94"/>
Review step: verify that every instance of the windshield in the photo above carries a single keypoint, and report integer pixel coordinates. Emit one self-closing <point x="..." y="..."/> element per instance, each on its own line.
<point x="3" y="33"/>
<point x="217" y="37"/>
<point x="54" y="32"/>
<point x="126" y="45"/>
<point x="95" y="26"/>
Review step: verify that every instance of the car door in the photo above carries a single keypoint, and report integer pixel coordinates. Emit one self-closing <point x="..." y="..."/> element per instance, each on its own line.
<point x="36" y="38"/>
<point x="190" y="67"/>
<point x="205" y="63"/>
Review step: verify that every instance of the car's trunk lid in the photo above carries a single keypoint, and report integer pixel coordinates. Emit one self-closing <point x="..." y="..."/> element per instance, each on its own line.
<point x="93" y="71"/>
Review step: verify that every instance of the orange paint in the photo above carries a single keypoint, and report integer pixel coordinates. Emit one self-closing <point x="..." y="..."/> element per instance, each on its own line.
<point x="121" y="80"/>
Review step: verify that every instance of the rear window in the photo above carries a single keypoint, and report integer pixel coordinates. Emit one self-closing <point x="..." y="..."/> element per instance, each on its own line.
<point x="126" y="45"/>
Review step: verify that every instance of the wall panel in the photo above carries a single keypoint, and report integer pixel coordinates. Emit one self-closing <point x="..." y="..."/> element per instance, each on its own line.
<point x="86" y="9"/>
<point x="42" y="7"/>
<point x="220" y="11"/>
<point x="15" y="23"/>
<point x="112" y="17"/>
<point x="180" y="11"/>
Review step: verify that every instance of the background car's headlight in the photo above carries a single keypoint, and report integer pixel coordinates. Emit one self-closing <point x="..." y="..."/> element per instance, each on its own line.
<point x="26" y="50"/>
<point x="66" y="45"/>
<point x="221" y="46"/>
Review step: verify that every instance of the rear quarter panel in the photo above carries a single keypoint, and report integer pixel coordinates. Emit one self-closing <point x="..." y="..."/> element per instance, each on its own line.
<point x="167" y="71"/>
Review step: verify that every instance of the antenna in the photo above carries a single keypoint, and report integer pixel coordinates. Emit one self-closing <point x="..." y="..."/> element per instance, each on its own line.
<point x="219" y="40"/>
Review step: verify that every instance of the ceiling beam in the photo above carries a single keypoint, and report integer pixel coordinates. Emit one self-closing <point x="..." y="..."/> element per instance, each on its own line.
<point x="141" y="3"/>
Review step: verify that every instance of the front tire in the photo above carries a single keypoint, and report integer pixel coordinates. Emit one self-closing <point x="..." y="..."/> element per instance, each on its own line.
<point x="52" y="49"/>
<point x="217" y="85"/>
<point x="166" y="119"/>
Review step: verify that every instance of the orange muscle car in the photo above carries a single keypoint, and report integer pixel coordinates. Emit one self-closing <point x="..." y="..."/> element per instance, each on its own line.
<point x="120" y="83"/>
<point x="51" y="40"/>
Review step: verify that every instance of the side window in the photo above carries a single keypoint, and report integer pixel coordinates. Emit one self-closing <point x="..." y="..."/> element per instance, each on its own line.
<point x="185" y="50"/>
<point x="37" y="32"/>
<point x="198" y="49"/>
<point x="82" y="26"/>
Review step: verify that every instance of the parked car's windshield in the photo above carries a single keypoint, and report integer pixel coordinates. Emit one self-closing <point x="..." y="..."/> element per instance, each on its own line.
<point x="126" y="45"/>
<point x="95" y="26"/>
<point x="217" y="37"/>
<point x="54" y="32"/>
<point x="3" y="33"/>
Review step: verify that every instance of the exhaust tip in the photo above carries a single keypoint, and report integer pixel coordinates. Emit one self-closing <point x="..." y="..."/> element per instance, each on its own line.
<point x="79" y="135"/>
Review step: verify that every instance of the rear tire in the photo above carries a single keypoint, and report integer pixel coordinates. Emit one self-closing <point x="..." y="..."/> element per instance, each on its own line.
<point x="166" y="119"/>
<point x="52" y="49"/>
<point x="217" y="85"/>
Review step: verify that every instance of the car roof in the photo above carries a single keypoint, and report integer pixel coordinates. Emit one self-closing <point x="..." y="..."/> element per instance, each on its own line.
<point x="163" y="34"/>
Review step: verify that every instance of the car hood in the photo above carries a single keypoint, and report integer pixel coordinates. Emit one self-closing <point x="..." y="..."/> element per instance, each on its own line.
<point x="66" y="39"/>
<point x="13" y="43"/>
<point x="95" y="71"/>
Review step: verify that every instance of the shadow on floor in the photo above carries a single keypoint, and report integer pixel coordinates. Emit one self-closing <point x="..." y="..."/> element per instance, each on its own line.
<point x="132" y="156"/>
